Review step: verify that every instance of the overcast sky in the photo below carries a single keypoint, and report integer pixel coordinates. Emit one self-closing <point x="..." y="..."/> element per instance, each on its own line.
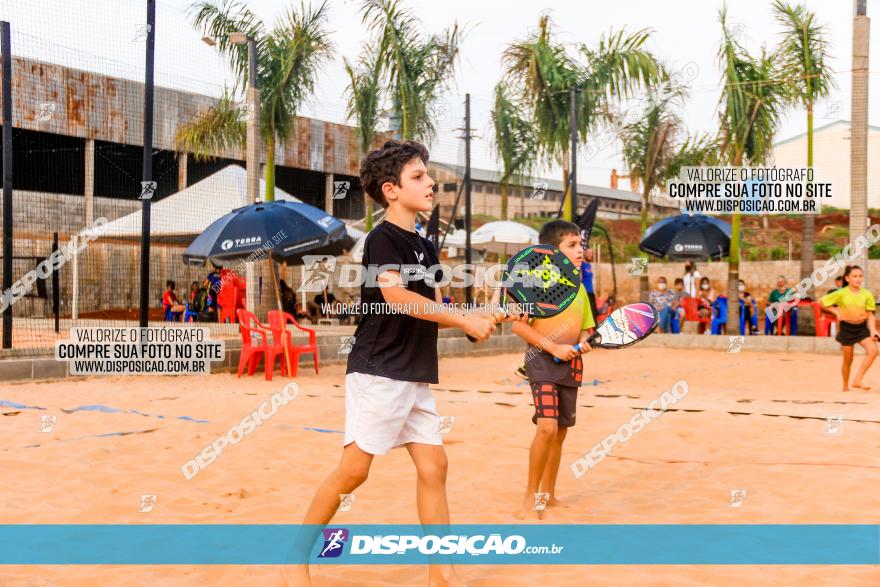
<point x="100" y="35"/>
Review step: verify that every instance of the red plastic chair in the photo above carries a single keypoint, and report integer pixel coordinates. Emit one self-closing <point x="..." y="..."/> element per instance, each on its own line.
<point x="231" y="296"/>
<point x="281" y="335"/>
<point x="823" y="320"/>
<point x="599" y="303"/>
<point x="691" y="312"/>
<point x="248" y="325"/>
<point x="783" y="324"/>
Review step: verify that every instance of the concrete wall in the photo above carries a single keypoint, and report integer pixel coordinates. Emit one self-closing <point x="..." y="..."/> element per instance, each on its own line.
<point x="760" y="276"/>
<point x="450" y="343"/>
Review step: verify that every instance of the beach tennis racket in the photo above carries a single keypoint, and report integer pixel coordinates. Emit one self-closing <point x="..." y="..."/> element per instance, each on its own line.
<point x="624" y="327"/>
<point x="540" y="280"/>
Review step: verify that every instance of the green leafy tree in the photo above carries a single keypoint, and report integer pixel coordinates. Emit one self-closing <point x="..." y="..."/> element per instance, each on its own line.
<point x="289" y="57"/>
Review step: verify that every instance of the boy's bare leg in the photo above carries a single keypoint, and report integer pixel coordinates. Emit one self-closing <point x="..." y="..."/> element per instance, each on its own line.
<point x="348" y="476"/>
<point x="539" y="454"/>
<point x="847" y="364"/>
<point x="870" y="354"/>
<point x="431" y="466"/>
<point x="551" y="471"/>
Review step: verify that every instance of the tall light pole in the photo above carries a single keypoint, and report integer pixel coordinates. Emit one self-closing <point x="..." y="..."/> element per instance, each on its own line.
<point x="858" y="205"/>
<point x="253" y="117"/>
<point x="147" y="164"/>
<point x="252" y="150"/>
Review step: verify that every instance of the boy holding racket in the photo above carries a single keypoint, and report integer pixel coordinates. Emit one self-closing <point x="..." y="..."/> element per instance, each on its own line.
<point x="394" y="356"/>
<point x="554" y="384"/>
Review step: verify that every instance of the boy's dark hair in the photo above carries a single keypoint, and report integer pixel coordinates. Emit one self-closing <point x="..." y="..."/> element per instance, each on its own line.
<point x="170" y="284"/>
<point x="554" y="231"/>
<point x="385" y="164"/>
<point x="679" y="280"/>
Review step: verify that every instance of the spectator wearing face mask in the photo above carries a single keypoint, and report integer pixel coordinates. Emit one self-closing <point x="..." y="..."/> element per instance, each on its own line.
<point x="663" y="299"/>
<point x="705" y="296"/>
<point x="780" y="294"/>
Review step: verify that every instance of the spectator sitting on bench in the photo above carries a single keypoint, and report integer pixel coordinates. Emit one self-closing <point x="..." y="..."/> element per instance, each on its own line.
<point x="705" y="297"/>
<point x="193" y="291"/>
<point x="288" y="298"/>
<point x="777" y="295"/>
<point x="301" y="313"/>
<point x="322" y="306"/>
<point x="170" y="302"/>
<point x="662" y="299"/>
<point x="747" y="301"/>
<point x="680" y="294"/>
<point x="202" y="303"/>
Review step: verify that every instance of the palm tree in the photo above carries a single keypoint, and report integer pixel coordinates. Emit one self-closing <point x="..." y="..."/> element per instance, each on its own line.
<point x="415" y="69"/>
<point x="803" y="54"/>
<point x="288" y="58"/>
<point x="654" y="153"/>
<point x="546" y="73"/>
<point x="515" y="142"/>
<point x="364" y="97"/>
<point x="753" y="98"/>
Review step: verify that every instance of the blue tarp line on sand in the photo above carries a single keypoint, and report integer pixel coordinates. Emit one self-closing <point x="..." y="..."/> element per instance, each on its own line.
<point x="99" y="408"/>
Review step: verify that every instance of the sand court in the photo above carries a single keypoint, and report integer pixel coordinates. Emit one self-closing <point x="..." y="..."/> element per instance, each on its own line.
<point x="772" y="427"/>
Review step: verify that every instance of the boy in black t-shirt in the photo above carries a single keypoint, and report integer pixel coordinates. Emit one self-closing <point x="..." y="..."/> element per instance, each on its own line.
<point x="394" y="356"/>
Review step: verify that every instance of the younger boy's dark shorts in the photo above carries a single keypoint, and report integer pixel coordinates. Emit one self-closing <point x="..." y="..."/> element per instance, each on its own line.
<point x="556" y="401"/>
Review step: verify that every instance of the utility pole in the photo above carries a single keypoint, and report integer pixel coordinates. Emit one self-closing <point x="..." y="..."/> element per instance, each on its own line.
<point x="572" y="207"/>
<point x="467" y="191"/>
<point x="147" y="165"/>
<point x="858" y="211"/>
<point x="6" y="47"/>
<point x="253" y="152"/>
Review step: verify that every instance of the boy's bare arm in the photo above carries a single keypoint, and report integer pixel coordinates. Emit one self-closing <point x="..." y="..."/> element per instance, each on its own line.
<point x="526" y="332"/>
<point x="418" y="306"/>
<point x="582" y="340"/>
<point x="438" y="297"/>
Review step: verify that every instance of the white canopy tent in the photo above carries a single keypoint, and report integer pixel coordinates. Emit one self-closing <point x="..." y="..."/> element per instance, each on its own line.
<point x="182" y="216"/>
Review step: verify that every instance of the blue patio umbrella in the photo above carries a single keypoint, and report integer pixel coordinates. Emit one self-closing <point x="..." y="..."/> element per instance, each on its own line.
<point x="687" y="236"/>
<point x="285" y="230"/>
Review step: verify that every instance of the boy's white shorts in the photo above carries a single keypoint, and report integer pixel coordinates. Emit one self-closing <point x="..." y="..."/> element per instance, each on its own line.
<point x="383" y="413"/>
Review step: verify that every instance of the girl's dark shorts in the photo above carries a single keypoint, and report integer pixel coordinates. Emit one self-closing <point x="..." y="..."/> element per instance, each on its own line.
<point x="851" y="334"/>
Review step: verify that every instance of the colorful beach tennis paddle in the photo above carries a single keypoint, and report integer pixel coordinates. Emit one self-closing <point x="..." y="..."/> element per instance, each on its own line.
<point x="541" y="280"/>
<point x="624" y="327"/>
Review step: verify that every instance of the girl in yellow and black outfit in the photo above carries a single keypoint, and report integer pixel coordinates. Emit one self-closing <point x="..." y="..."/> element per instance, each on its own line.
<point x="853" y="305"/>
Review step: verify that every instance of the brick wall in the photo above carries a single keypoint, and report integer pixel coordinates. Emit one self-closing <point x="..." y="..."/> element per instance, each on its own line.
<point x="760" y="276"/>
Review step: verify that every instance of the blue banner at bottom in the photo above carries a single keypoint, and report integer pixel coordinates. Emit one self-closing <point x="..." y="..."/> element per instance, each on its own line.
<point x="485" y="544"/>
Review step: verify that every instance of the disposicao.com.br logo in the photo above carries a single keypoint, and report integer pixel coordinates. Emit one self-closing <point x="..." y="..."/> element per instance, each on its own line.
<point x="430" y="544"/>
